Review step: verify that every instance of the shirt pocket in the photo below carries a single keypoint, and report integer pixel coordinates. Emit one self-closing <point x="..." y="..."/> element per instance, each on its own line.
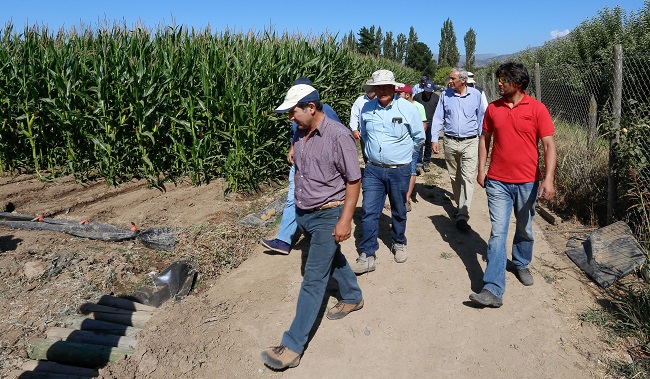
<point x="526" y="124"/>
<point x="397" y="129"/>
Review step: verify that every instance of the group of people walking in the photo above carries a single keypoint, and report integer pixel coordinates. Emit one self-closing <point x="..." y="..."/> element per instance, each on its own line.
<point x="326" y="180"/>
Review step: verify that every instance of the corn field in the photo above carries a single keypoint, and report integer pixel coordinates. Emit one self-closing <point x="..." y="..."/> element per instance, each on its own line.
<point x="120" y="103"/>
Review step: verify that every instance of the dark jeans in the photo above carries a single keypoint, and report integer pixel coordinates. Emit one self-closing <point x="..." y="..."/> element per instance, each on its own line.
<point x="425" y="150"/>
<point x="378" y="182"/>
<point x="324" y="260"/>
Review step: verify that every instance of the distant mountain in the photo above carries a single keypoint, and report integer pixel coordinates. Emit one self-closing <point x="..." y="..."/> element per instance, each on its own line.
<point x="483" y="60"/>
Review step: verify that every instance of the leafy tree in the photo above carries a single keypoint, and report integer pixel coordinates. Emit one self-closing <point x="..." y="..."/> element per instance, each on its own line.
<point x="431" y="68"/>
<point x="389" y="46"/>
<point x="470" y="48"/>
<point x="366" y="44"/>
<point x="441" y="75"/>
<point x="400" y="48"/>
<point x="379" y="38"/>
<point x="448" y="54"/>
<point x="418" y="56"/>
<point x="413" y="38"/>
<point x="349" y="41"/>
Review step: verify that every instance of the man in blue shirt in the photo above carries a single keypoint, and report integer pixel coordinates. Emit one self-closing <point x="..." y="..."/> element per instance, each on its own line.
<point x="417" y="88"/>
<point x="391" y="129"/>
<point x="283" y="241"/>
<point x="459" y="115"/>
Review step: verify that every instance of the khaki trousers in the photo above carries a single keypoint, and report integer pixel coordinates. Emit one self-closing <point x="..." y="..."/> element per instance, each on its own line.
<point x="462" y="162"/>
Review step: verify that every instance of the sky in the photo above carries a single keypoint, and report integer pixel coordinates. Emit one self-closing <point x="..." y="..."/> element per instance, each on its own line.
<point x="501" y="27"/>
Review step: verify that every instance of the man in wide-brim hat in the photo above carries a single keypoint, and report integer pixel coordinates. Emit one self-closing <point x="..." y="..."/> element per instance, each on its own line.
<point x="391" y="129"/>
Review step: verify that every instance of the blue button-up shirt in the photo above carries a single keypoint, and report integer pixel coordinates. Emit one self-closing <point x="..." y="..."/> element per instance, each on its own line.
<point x="393" y="133"/>
<point x="459" y="116"/>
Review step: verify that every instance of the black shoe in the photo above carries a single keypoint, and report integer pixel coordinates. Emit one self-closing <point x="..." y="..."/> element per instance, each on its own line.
<point x="486" y="298"/>
<point x="462" y="225"/>
<point x="525" y="277"/>
<point x="425" y="167"/>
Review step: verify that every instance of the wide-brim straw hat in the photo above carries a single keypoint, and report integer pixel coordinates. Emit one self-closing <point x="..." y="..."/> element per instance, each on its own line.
<point x="380" y="78"/>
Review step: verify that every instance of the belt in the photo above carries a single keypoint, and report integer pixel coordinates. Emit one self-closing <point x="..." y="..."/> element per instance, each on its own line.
<point x="329" y="205"/>
<point x="459" y="138"/>
<point x="388" y="165"/>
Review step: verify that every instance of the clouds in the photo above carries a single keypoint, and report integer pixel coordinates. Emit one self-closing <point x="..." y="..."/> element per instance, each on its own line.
<point x="559" y="33"/>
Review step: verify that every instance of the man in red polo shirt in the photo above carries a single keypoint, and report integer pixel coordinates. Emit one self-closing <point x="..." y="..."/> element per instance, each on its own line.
<point x="514" y="124"/>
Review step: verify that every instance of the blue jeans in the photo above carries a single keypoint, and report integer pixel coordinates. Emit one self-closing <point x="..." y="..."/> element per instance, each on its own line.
<point x="288" y="223"/>
<point x="324" y="260"/>
<point x="378" y="182"/>
<point x="502" y="198"/>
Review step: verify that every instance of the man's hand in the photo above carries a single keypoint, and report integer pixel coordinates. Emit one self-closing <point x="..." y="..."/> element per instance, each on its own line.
<point x="356" y="134"/>
<point x="342" y="231"/>
<point x="546" y="190"/>
<point x="481" y="178"/>
<point x="435" y="147"/>
<point x="290" y="155"/>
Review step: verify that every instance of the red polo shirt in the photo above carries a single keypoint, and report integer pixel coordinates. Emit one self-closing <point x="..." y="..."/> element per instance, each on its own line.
<point x="515" y="137"/>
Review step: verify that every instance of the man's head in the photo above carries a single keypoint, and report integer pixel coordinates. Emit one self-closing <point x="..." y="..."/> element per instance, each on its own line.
<point x="457" y="79"/>
<point x="302" y="103"/>
<point x="423" y="79"/>
<point x="383" y="83"/>
<point x="405" y="92"/>
<point x="513" y="77"/>
<point x="470" y="79"/>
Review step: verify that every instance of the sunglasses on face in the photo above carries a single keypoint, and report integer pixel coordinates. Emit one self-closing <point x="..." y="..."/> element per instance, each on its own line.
<point x="504" y="80"/>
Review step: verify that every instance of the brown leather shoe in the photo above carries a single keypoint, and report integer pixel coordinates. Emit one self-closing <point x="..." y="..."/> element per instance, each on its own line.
<point x="342" y="309"/>
<point x="280" y="357"/>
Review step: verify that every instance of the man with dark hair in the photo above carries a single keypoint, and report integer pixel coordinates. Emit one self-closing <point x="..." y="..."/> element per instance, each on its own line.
<point x="459" y="115"/>
<point x="327" y="189"/>
<point x="417" y="88"/>
<point x="429" y="100"/>
<point x="514" y="124"/>
<point x="391" y="128"/>
<point x="287" y="232"/>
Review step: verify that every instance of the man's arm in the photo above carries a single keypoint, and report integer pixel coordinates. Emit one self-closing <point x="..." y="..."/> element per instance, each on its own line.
<point x="343" y="229"/>
<point x="547" y="187"/>
<point x="437" y="124"/>
<point x="355" y="112"/>
<point x="483" y="151"/>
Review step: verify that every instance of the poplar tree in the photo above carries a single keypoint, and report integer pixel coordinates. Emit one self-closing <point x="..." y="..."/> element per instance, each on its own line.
<point x="470" y="49"/>
<point x="448" y="53"/>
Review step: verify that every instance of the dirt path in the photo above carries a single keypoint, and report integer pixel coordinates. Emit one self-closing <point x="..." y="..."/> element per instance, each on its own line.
<point x="417" y="320"/>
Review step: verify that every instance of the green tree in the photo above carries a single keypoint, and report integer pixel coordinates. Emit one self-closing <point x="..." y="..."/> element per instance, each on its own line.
<point x="366" y="44"/>
<point x="418" y="56"/>
<point x="400" y="48"/>
<point x="389" y="46"/>
<point x="379" y="38"/>
<point x="448" y="54"/>
<point x="441" y="75"/>
<point x="349" y="41"/>
<point x="470" y="48"/>
<point x="413" y="38"/>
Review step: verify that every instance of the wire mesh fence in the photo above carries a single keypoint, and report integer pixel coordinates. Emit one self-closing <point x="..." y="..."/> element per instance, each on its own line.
<point x="599" y="134"/>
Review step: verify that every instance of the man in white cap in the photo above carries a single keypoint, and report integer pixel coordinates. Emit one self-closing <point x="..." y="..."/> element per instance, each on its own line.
<point x="472" y="83"/>
<point x="327" y="184"/>
<point x="392" y="130"/>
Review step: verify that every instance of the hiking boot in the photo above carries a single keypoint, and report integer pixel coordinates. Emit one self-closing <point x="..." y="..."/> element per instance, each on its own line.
<point x="524" y="276"/>
<point x="425" y="167"/>
<point x="486" y="298"/>
<point x="364" y="264"/>
<point x="408" y="206"/>
<point x="280" y="357"/>
<point x="276" y="245"/>
<point x="399" y="250"/>
<point x="342" y="309"/>
<point x="462" y="225"/>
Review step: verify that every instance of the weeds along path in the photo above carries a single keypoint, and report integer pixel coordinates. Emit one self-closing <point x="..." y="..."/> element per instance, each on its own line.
<point x="417" y="321"/>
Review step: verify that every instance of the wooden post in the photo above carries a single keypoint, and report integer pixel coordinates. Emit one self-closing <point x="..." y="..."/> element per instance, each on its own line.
<point x="86" y="336"/>
<point x="76" y="354"/>
<point x="538" y="83"/>
<point x="617" y="96"/>
<point x="82" y="323"/>
<point x="56" y="368"/>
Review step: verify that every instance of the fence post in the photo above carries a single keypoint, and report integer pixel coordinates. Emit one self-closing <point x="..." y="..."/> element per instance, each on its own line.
<point x="538" y="83"/>
<point x="617" y="94"/>
<point x="593" y="121"/>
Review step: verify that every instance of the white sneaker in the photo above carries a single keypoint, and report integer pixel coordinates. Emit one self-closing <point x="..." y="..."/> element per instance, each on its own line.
<point x="364" y="264"/>
<point x="400" y="252"/>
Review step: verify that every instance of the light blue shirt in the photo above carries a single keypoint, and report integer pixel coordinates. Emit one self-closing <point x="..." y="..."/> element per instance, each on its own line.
<point x="391" y="134"/>
<point x="417" y="88"/>
<point x="459" y="116"/>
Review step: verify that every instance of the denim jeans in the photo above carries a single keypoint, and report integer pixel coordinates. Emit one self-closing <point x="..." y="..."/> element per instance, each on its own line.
<point x="324" y="260"/>
<point x="425" y="150"/>
<point x="502" y="198"/>
<point x="288" y="223"/>
<point x="378" y="182"/>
